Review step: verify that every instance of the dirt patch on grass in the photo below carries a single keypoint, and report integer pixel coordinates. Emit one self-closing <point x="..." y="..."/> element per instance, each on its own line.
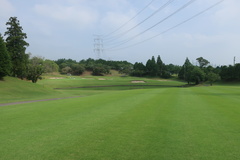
<point x="101" y="79"/>
<point x="138" y="82"/>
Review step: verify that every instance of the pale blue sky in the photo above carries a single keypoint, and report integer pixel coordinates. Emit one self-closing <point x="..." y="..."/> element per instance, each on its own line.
<point x="65" y="28"/>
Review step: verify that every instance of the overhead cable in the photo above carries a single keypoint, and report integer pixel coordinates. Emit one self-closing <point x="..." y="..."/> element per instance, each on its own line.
<point x="164" y="19"/>
<point x="158" y="10"/>
<point x="167" y="30"/>
<point x="109" y="34"/>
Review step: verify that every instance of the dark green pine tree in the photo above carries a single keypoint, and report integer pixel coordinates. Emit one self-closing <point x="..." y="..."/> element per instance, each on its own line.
<point x="159" y="66"/>
<point x="151" y="67"/>
<point x="186" y="70"/>
<point x="16" y="46"/>
<point x="5" y="62"/>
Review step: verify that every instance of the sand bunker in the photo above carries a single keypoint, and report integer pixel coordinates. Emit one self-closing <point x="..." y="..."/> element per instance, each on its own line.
<point x="56" y="78"/>
<point x="163" y="80"/>
<point x="138" y="82"/>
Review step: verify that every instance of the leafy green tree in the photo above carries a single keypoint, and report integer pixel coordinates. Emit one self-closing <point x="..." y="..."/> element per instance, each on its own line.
<point x="173" y="69"/>
<point x="139" y="70"/>
<point x="62" y="65"/>
<point x="208" y="69"/>
<point x="16" y="46"/>
<point x="227" y="73"/>
<point x="50" y="66"/>
<point x="77" y="69"/>
<point x="35" y="69"/>
<point x="230" y="73"/>
<point x="100" y="69"/>
<point x="5" y="62"/>
<point x="197" y="75"/>
<point x="65" y="64"/>
<point x="125" y="68"/>
<point x="212" y="77"/>
<point x="166" y="74"/>
<point x="66" y="70"/>
<point x="202" y="62"/>
<point x="90" y="64"/>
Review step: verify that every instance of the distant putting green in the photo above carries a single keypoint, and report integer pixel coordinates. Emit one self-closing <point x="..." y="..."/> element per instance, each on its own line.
<point x="197" y="123"/>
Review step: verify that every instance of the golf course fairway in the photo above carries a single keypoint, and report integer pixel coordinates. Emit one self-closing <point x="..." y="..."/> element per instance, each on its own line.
<point x="176" y="123"/>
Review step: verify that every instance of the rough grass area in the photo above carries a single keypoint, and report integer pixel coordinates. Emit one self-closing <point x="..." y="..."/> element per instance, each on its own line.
<point x="197" y="123"/>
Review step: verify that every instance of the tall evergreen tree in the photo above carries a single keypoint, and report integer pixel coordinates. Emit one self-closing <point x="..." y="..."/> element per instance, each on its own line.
<point x="186" y="70"/>
<point x="151" y="67"/>
<point x="16" y="46"/>
<point x="159" y="66"/>
<point x="5" y="62"/>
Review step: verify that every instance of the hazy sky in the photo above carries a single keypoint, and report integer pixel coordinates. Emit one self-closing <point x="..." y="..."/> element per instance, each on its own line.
<point x="66" y="28"/>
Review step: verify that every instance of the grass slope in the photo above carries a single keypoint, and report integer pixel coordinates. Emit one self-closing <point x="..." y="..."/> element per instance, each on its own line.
<point x="198" y="123"/>
<point x="13" y="89"/>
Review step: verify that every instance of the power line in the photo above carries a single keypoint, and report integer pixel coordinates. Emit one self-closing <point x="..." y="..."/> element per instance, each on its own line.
<point x="164" y="19"/>
<point x="179" y="24"/>
<point x="158" y="10"/>
<point x="130" y="19"/>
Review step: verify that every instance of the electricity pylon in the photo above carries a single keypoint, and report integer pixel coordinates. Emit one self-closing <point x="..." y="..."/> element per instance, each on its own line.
<point x="98" y="45"/>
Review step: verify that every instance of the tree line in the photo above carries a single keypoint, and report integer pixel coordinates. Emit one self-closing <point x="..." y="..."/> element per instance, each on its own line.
<point x="97" y="67"/>
<point x="15" y="62"/>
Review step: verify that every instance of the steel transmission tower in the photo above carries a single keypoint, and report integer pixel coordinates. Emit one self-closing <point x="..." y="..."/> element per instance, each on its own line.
<point x="98" y="45"/>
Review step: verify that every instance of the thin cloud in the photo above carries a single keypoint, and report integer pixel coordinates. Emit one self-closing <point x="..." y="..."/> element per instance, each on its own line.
<point x="6" y="11"/>
<point x="230" y="13"/>
<point x="78" y="16"/>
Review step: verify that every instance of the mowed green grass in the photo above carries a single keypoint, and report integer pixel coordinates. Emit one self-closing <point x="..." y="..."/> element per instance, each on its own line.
<point x="197" y="123"/>
<point x="14" y="90"/>
<point x="105" y="81"/>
